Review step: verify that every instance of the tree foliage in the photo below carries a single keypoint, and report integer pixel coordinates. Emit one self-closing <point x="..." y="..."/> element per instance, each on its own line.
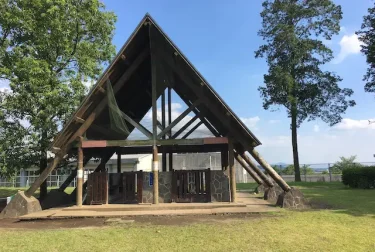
<point x="48" y="49"/>
<point x="367" y="37"/>
<point x="293" y="31"/>
<point x="345" y="163"/>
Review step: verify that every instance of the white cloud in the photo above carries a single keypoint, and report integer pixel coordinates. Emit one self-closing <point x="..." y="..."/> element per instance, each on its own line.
<point x="5" y="90"/>
<point x="349" y="44"/>
<point x="274" y="121"/>
<point x="250" y="122"/>
<point x="319" y="149"/>
<point x="351" y="124"/>
<point x="316" y="128"/>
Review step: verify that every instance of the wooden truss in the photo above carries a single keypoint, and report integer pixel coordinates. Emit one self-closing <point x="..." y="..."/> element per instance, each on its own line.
<point x="137" y="84"/>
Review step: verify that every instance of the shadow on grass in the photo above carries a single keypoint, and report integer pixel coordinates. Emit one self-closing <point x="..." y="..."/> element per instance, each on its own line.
<point x="339" y="198"/>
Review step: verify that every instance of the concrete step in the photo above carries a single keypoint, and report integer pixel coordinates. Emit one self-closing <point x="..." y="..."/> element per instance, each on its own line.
<point x="151" y="207"/>
<point x="118" y="214"/>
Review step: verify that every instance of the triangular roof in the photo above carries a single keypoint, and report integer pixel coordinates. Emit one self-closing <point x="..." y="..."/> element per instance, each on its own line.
<point x="130" y="74"/>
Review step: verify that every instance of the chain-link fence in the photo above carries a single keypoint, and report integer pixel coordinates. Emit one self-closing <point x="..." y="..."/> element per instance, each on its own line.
<point x="318" y="172"/>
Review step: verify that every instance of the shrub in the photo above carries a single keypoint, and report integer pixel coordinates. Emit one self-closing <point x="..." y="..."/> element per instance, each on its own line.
<point x="359" y="177"/>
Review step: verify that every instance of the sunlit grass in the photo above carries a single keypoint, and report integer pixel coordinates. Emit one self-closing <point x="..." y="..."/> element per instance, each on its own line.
<point x="348" y="225"/>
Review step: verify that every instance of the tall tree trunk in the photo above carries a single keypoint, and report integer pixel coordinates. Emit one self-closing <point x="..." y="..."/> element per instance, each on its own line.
<point x="297" y="173"/>
<point x="43" y="165"/>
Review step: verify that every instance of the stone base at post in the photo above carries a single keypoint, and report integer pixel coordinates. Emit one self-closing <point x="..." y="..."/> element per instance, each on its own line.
<point x="260" y="189"/>
<point x="272" y="193"/>
<point x="21" y="205"/>
<point x="56" y="198"/>
<point x="293" y="199"/>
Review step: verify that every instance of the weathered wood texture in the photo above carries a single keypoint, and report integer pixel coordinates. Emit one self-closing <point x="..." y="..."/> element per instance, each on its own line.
<point x="132" y="186"/>
<point x="191" y="186"/>
<point x="248" y="169"/>
<point x="232" y="171"/>
<point x="261" y="174"/>
<point x="276" y="177"/>
<point x="97" y="188"/>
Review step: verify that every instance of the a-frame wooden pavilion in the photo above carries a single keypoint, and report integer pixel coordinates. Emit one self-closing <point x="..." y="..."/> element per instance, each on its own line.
<point x="147" y="67"/>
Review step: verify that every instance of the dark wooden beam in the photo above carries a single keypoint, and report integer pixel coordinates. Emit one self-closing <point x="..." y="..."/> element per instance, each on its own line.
<point x="183" y="128"/>
<point x="179" y="118"/>
<point x="160" y="126"/>
<point x="192" y="130"/>
<point x="138" y="126"/>
<point x="170" y="155"/>
<point x="164" y="154"/>
<point x="172" y="148"/>
<point x="121" y="143"/>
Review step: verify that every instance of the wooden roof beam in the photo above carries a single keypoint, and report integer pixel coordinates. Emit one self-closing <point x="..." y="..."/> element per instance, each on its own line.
<point x="150" y="142"/>
<point x="183" y="128"/>
<point x="192" y="130"/>
<point x="138" y="126"/>
<point x="179" y="118"/>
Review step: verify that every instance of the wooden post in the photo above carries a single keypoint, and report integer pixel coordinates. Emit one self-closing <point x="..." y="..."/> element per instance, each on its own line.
<point x="279" y="180"/>
<point x="224" y="159"/>
<point x="253" y="166"/>
<point x="155" y="171"/>
<point x="79" y="174"/>
<point x="155" y="161"/>
<point x="257" y="179"/>
<point x="164" y="154"/>
<point x="119" y="162"/>
<point x="232" y="171"/>
<point x="73" y="174"/>
<point x="170" y="156"/>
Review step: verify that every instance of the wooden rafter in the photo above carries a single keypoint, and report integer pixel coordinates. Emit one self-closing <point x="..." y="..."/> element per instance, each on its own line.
<point x="138" y="126"/>
<point x="179" y="118"/>
<point x="183" y="128"/>
<point x="160" y="142"/>
<point x="192" y="130"/>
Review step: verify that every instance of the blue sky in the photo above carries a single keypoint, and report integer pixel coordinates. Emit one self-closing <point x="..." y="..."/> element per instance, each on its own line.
<point x="220" y="37"/>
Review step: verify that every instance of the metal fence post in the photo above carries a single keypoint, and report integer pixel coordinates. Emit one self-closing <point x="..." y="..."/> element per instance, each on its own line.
<point x="330" y="172"/>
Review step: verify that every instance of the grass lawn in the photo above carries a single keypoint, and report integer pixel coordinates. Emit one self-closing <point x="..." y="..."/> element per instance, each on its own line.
<point x="349" y="225"/>
<point x="9" y="191"/>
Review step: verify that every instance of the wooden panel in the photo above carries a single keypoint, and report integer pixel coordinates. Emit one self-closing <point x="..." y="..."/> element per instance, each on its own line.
<point x="139" y="186"/>
<point x="132" y="184"/>
<point x="97" y="188"/>
<point x="185" y="190"/>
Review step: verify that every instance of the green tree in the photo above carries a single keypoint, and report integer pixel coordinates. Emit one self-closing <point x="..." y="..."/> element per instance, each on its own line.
<point x="367" y="37"/>
<point x="277" y="169"/>
<point x="307" y="170"/>
<point x="289" y="170"/>
<point x="345" y="163"/>
<point x="48" y="49"/>
<point x="292" y="30"/>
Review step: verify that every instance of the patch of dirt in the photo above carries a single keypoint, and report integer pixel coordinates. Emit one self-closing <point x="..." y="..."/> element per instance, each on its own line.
<point x="140" y="220"/>
<point x="314" y="204"/>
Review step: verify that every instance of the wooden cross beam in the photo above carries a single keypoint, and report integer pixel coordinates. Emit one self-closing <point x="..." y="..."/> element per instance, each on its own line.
<point x="192" y="130"/>
<point x="160" y="126"/>
<point x="138" y="126"/>
<point x="183" y="128"/>
<point x="178" y="119"/>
